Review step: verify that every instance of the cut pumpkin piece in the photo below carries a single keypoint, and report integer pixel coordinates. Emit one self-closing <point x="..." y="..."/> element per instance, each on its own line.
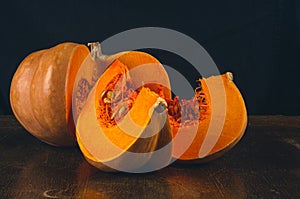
<point x="144" y="70"/>
<point x="219" y="126"/>
<point x="120" y="125"/>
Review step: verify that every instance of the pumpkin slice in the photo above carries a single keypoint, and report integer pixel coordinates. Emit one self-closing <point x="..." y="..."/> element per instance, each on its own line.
<point x="41" y="89"/>
<point x="144" y="70"/>
<point x="119" y="127"/>
<point x="219" y="126"/>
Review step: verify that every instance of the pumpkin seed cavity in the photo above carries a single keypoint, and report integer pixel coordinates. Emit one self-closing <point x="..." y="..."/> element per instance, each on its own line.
<point x="118" y="97"/>
<point x="116" y="100"/>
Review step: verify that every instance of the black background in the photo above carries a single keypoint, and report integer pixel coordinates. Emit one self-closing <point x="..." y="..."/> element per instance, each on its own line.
<point x="259" y="41"/>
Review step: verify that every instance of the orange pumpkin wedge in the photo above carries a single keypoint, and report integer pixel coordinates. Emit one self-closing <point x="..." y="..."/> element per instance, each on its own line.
<point x="143" y="67"/>
<point x="41" y="92"/>
<point x="221" y="124"/>
<point x="119" y="127"/>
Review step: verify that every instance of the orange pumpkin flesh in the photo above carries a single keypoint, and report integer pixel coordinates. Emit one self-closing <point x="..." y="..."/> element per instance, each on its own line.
<point x="104" y="143"/>
<point x="41" y="90"/>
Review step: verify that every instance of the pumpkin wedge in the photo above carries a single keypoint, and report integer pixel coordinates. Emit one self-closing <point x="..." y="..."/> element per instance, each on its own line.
<point x="41" y="92"/>
<point x="121" y="123"/>
<point x="220" y="124"/>
<point x="144" y="69"/>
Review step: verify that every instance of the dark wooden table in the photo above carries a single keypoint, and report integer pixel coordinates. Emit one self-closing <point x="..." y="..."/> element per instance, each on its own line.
<point x="265" y="164"/>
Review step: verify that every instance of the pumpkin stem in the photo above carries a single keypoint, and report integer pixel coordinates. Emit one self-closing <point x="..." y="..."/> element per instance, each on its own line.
<point x="160" y="105"/>
<point x="96" y="51"/>
<point x="229" y="76"/>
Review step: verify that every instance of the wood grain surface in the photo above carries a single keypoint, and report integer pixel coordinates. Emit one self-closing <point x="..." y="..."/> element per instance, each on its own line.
<point x="265" y="164"/>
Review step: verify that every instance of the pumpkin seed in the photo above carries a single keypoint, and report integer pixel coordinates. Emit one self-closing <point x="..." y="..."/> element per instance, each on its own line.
<point x="107" y="101"/>
<point x="113" y="115"/>
<point x="109" y="94"/>
<point x="122" y="110"/>
<point x="116" y="94"/>
<point x="102" y="94"/>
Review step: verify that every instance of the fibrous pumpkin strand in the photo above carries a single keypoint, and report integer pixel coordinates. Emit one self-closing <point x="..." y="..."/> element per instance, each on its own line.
<point x="187" y="112"/>
<point x="82" y="91"/>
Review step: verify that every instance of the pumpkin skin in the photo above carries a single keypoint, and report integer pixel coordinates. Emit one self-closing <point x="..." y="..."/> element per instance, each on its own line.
<point x="41" y="90"/>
